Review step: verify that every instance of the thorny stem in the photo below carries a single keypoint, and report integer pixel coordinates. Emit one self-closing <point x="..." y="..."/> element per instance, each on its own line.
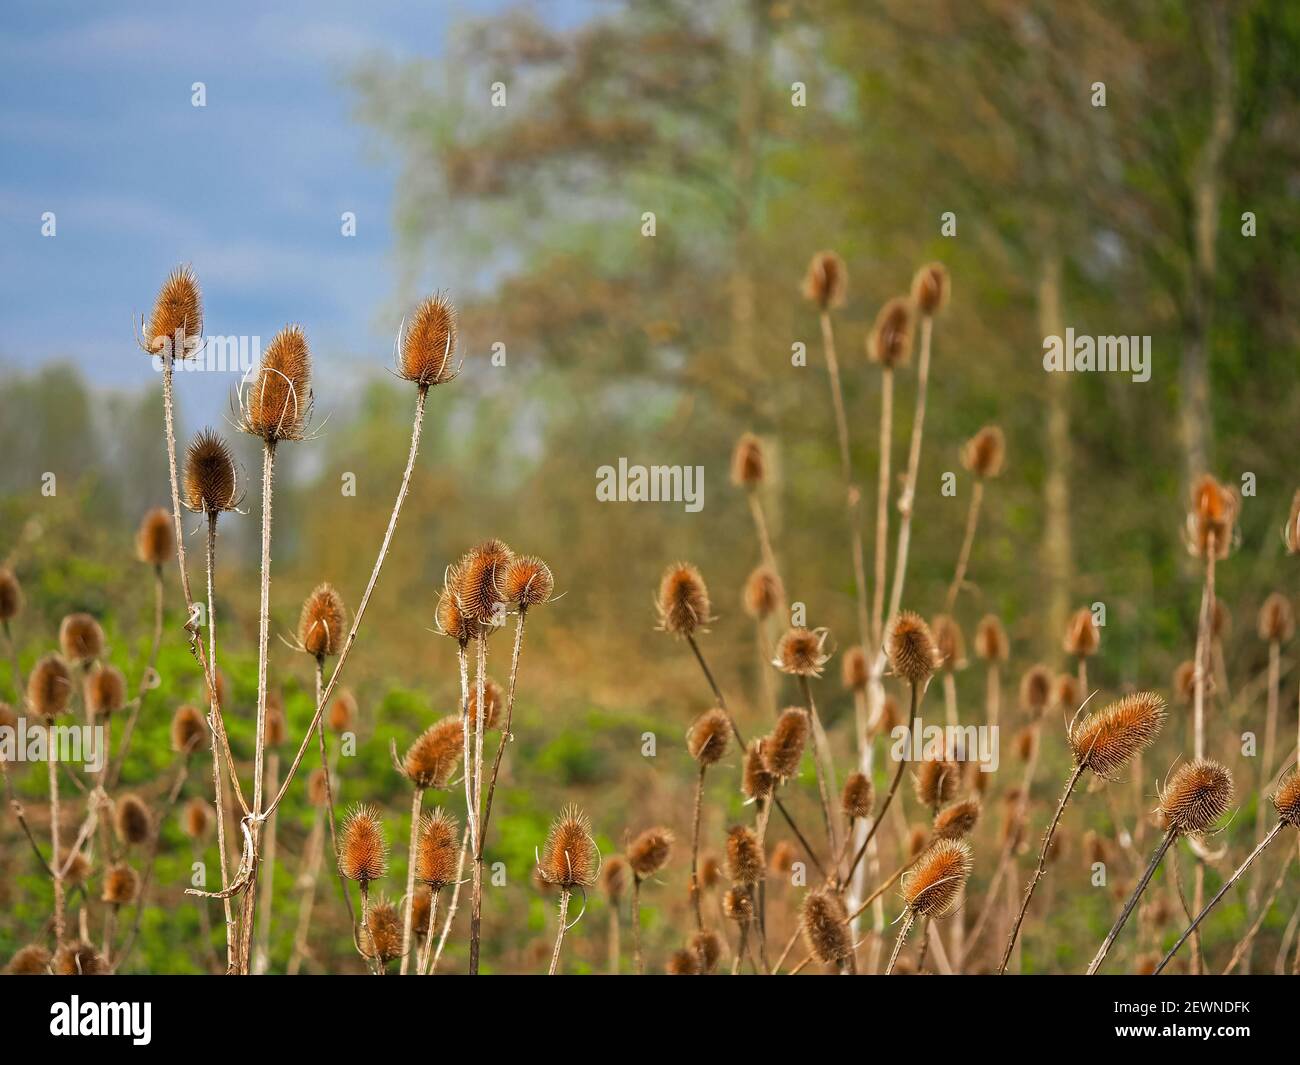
<point x="695" y="850"/>
<point x="214" y="715"/>
<point x="760" y="527"/>
<point x="559" y="936"/>
<point x="636" y="925"/>
<point x="416" y="800"/>
<point x="56" y="867"/>
<point x="882" y="501"/>
<point x="455" y="898"/>
<point x="1270" y="751"/>
<point x="1248" y="940"/>
<point x="329" y="793"/>
<point x="823" y="772"/>
<point x="506" y="735"/>
<point x="480" y="727"/>
<point x="261" y="958"/>
<point x="146" y="678"/>
<point x="963" y="559"/>
<point x="467" y="746"/>
<point x="1122" y="919"/>
<point x="426" y="948"/>
<point x="898" y="943"/>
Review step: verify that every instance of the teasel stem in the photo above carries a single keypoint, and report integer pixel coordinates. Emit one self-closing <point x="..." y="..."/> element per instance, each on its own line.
<point x="823" y="772"/>
<point x="19" y="686"/>
<point x="898" y="943"/>
<point x="150" y="671"/>
<point x="480" y="726"/>
<point x="963" y="558"/>
<point x="1227" y="884"/>
<point x="1270" y="752"/>
<point x="695" y="850"/>
<point x="56" y="868"/>
<point x="261" y="959"/>
<point x="880" y="891"/>
<point x="882" y="501"/>
<point x="506" y="735"/>
<point x="1041" y="867"/>
<point x="993" y="694"/>
<point x="636" y="926"/>
<point x="467" y="744"/>
<point x="1247" y="941"/>
<point x="559" y="936"/>
<point x="455" y="898"/>
<point x="313" y="853"/>
<point x="426" y="948"/>
<point x="21" y="816"/>
<point x="1122" y="919"/>
<point x="416" y="800"/>
<point x="760" y="896"/>
<point x="329" y="792"/>
<point x="760" y="527"/>
<point x="614" y="945"/>
<point x="1204" y="636"/>
<point x="741" y="948"/>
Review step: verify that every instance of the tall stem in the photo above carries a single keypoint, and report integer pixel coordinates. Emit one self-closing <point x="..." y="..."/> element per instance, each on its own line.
<point x="882" y="501"/>
<point x="480" y="726"/>
<point x="262" y="957"/>
<point x="416" y="800"/>
<point x="559" y="936"/>
<point x="823" y="771"/>
<point x="1120" y="921"/>
<point x="636" y="925"/>
<point x="1269" y="753"/>
<point x="963" y="558"/>
<point x="56" y="865"/>
<point x="898" y="943"/>
<point x="695" y="851"/>
<point x="214" y="713"/>
<point x="329" y="793"/>
<point x="451" y="910"/>
<point x="506" y="735"/>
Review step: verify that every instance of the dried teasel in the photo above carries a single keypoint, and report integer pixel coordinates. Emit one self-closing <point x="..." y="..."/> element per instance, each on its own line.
<point x="650" y="852"/>
<point x="991" y="643"/>
<point x="433" y="757"/>
<point x="493" y="699"/>
<point x="755" y="780"/>
<point x="569" y="858"/>
<point x="427" y="349"/>
<point x="363" y="850"/>
<point x="49" y="688"/>
<point x="889" y="717"/>
<point x="823" y="921"/>
<point x="121" y="885"/>
<point x="930" y="288"/>
<point x="613" y="878"/>
<point x="763" y="593"/>
<point x="683" y="963"/>
<point x="317" y="794"/>
<point x="737" y="905"/>
<point x="853" y="669"/>
<point x="211" y="478"/>
<point x="80" y="638"/>
<point x="783" y="858"/>
<point x="1291" y="532"/>
<point x="912" y="651"/>
<point x="984" y="452"/>
<point x="890" y="342"/>
<point x="196" y="818"/>
<point x="77" y="869"/>
<point x="382" y="933"/>
<point x="1067" y="692"/>
<point x="1198" y="795"/>
<point x="478" y="578"/>
<point x="1286" y="800"/>
<point x="1104" y="741"/>
<point x="527" y="581"/>
<point x="323" y="622"/>
<point x="932" y="887"/>
<point x="33" y="960"/>
<point x="177" y="315"/>
<point x="274" y="728"/>
<point x="748" y="463"/>
<point x="708" y="737"/>
<point x="783" y="749"/>
<point x="858" y="796"/>
<point x="957" y="820"/>
<point x="1036" y="690"/>
<point x="421" y="910"/>
<point x="189" y="730"/>
<point x="276" y="404"/>
<point x="437" y="849"/>
<point x="1212" y="518"/>
<point x="949" y="640"/>
<point x="1026" y="743"/>
<point x="451" y="620"/>
<point x="1184" y="682"/>
<point x="105" y="691"/>
<point x="155" y="540"/>
<point x="683" y="602"/>
<point x="1276" y="619"/>
<point x="343" y="711"/>
<point x="79" y="959"/>
<point x="710" y="871"/>
<point x="802" y="652"/>
<point x="1082" y="637"/>
<point x="132" y="820"/>
<point x="936" y="781"/>
<point x="745" y="861"/>
<point x="826" y="281"/>
<point x="707" y="945"/>
<point x="11" y="595"/>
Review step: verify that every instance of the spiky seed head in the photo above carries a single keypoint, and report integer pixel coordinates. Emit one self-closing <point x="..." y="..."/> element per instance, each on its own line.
<point x="823" y="922"/>
<point x="1211" y="518"/>
<point x="77" y="870"/>
<point x="33" y="960"/>
<point x="650" y="851"/>
<point x="322" y="625"/>
<point x="8" y="720"/>
<point x="853" y="669"/>
<point x="1082" y="637"/>
<point x="933" y="885"/>
<point x="527" y="581"/>
<point x="211" y="478"/>
<point x="756" y="782"/>
<point x="783" y="858"/>
<point x="957" y="820"/>
<point x="132" y="820"/>
<point x="708" y="737"/>
<point x="433" y="757"/>
<point x="930" y="288"/>
<point x="858" y="796"/>
<point x="710" y="871"/>
<point x="196" y="818"/>
<point x="936" y="781"/>
<point x="274" y="727"/>
<point x="382" y="936"/>
<point x="478" y="587"/>
<point x="745" y="860"/>
<point x="78" y="959"/>
<point x="912" y="651"/>
<point x="437" y="850"/>
<point x="1067" y="692"/>
<point x="613" y="878"/>
<point x="826" y="281"/>
<point x="316" y="790"/>
<point x="570" y="858"/>
<point x="949" y="640"/>
<point x="105" y="691"/>
<point x="49" y="688"/>
<point x="991" y="643"/>
<point x="890" y="342"/>
<point x="11" y="595"/>
<point x="683" y="602"/>
<point x="177" y="314"/>
<point x="363" y="850"/>
<point x="764" y="593"/>
<point x="277" y="401"/>
<point x="451" y="620"/>
<point x="421" y="910"/>
<point x="1286" y="800"/>
<point x="80" y="638"/>
<point x="685" y="962"/>
<point x="984" y="452"/>
<point x="707" y="945"/>
<point x="802" y="652"/>
<point x="889" y="718"/>
<point x="976" y="781"/>
<point x="1026" y="743"/>
<point x="1198" y="794"/>
<point x="343" y="711"/>
<point x="428" y="350"/>
<point x="1276" y="619"/>
<point x="1291" y="533"/>
<point x="748" y="463"/>
<point x="783" y="749"/>
<point x="155" y="540"/>
<point x="189" y="730"/>
<point x="1105" y="740"/>
<point x="1220" y="620"/>
<point x="1036" y="690"/>
<point x="121" y="885"/>
<point x="1095" y="847"/>
<point x="493" y="698"/>
<point x="1184" y="682"/>
<point x="737" y="905"/>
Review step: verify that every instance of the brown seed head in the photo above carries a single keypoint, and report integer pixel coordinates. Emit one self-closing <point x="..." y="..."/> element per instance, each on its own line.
<point x="650" y="851"/>
<point x="155" y="540"/>
<point x="343" y="711"/>
<point x="802" y="652"/>
<point x="316" y="793"/>
<point x="1276" y="619"/>
<point x="177" y="314"/>
<point x="493" y="698"/>
<point x="1211" y="518"/>
<point x="433" y="757"/>
<point x="614" y="877"/>
<point x="1036" y="690"/>
<point x="274" y="727"/>
<point x="763" y="593"/>
<point x="1286" y="800"/>
<point x="949" y="640"/>
<point x="1291" y="533"/>
<point x="824" y="924"/>
<point x="132" y="820"/>
<point x="451" y="620"/>
<point x="77" y="870"/>
<point x="363" y="850"/>
<point x="1026" y="743"/>
<point x="991" y="643"/>
<point x="707" y="945"/>
<point x="527" y="581"/>
<point x="32" y="960"/>
<point x="277" y="401"/>
<point x="1082" y="637"/>
<point x="196" y="818"/>
<point x="737" y="905"/>
<point x="421" y="910"/>
<point x="211" y="479"/>
<point x="826" y="281"/>
<point x="958" y="820"/>
<point x="853" y="669"/>
<point x="936" y="781"/>
<point x="570" y="858"/>
<point x="683" y="602"/>
<point x="437" y="850"/>
<point x="783" y="857"/>
<point x="858" y="795"/>
<point x="984" y="452"/>
<point x="80" y="638"/>
<point x="755" y="781"/>
<point x="1184" y="681"/>
<point x="478" y="587"/>
<point x="79" y="959"/>
<point x="890" y="343"/>
<point x="783" y="749"/>
<point x="745" y="860"/>
<point x="121" y="885"/>
<point x="748" y="463"/>
<point x="912" y="651"/>
<point x="933" y="885"/>
<point x="708" y="737"/>
<point x="1105" y="740"/>
<point x="428" y="343"/>
<point x="930" y="288"/>
<point x="11" y="595"/>
<point x="683" y="963"/>
<point x="382" y="935"/>
<point x="710" y="871"/>
<point x="1198" y="795"/>
<point x="189" y="730"/>
<point x="323" y="622"/>
<point x="1067" y="692"/>
<point x="49" y="688"/>
<point x="105" y="691"/>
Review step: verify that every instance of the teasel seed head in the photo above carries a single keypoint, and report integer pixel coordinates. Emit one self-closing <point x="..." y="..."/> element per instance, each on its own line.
<point x="1105" y="740"/>
<point x="764" y="593"/>
<point x="211" y="478"/>
<point x="155" y="540"/>
<point x="823" y="922"/>
<point x="437" y="849"/>
<point x="826" y="281"/>
<point x="737" y="905"/>
<point x="49" y="688"/>
<point x="343" y="711"/>
<point x="79" y="959"/>
<point x="917" y="838"/>
<point x="493" y="698"/>
<point x="933" y="885"/>
<point x="274" y="727"/>
<point x="707" y="945"/>
<point x="1067" y="692"/>
<point x="1082" y="637"/>
<point x="8" y="720"/>
<point x="363" y="850"/>
<point x="949" y="640"/>
<point x="121" y="885"/>
<point x="382" y="935"/>
<point x="984" y="452"/>
<point x="1026" y="742"/>
<point x="1036" y="691"/>
<point x="708" y="737"/>
<point x="912" y="651"/>
<point x="421" y="910"/>
<point x="451" y="620"/>
<point x="1211" y="518"/>
<point x="1096" y="848"/>
<point x="569" y="858"/>
<point x="613" y="878"/>
<point x="890" y="343"/>
<point x="683" y="602"/>
<point x="650" y="852"/>
<point x="80" y="638"/>
<point x="745" y="860"/>
<point x="930" y="288"/>
<point x="11" y="595"/>
<point x="1184" y="682"/>
<point x="479" y="575"/>
<point x="977" y="782"/>
<point x="105" y="691"/>
<point x="527" y="581"/>
<point x="783" y="749"/>
<point x="77" y="869"/>
<point x="890" y="716"/>
<point x="323" y="623"/>
<point x="957" y="820"/>
<point x="748" y="462"/>
<point x="433" y="757"/>
<point x="132" y="820"/>
<point x="178" y="310"/>
<point x="189" y="730"/>
<point x="853" y="669"/>
<point x="428" y="343"/>
<point x="1198" y="795"/>
<point x="991" y="643"/>
<point x="755" y="781"/>
<point x="936" y="781"/>
<point x="276" y="403"/>
<point x="1291" y="533"/>
<point x="316" y="793"/>
<point x="684" y="962"/>
<point x="33" y="960"/>
<point x="1276" y="619"/>
<point x="858" y="796"/>
<point x="802" y="652"/>
<point x="196" y="818"/>
<point x="783" y="858"/>
<point x="710" y="871"/>
<point x="1286" y="800"/>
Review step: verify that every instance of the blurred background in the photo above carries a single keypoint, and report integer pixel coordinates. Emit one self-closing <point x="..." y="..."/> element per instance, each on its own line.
<point x="757" y="133"/>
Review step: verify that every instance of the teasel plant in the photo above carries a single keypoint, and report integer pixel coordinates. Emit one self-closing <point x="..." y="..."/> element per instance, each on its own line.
<point x="749" y="472"/>
<point x="983" y="455"/>
<point x="647" y="854"/>
<point x="1082" y="641"/>
<point x="763" y="597"/>
<point x="363" y="858"/>
<point x="1102" y="743"/>
<point x="706" y="742"/>
<point x="613" y="883"/>
<point x="275" y="737"/>
<point x="435" y="867"/>
<point x="569" y="860"/>
<point x="49" y="693"/>
<point x="1276" y="626"/>
<point x="993" y="648"/>
<point x="1197" y="796"/>
<point x="933" y="888"/>
<point x="801" y="653"/>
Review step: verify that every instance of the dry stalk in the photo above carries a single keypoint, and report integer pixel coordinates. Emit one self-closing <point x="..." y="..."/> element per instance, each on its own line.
<point x="417" y="799"/>
<point x="968" y="540"/>
<point x="1122" y="919"/>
